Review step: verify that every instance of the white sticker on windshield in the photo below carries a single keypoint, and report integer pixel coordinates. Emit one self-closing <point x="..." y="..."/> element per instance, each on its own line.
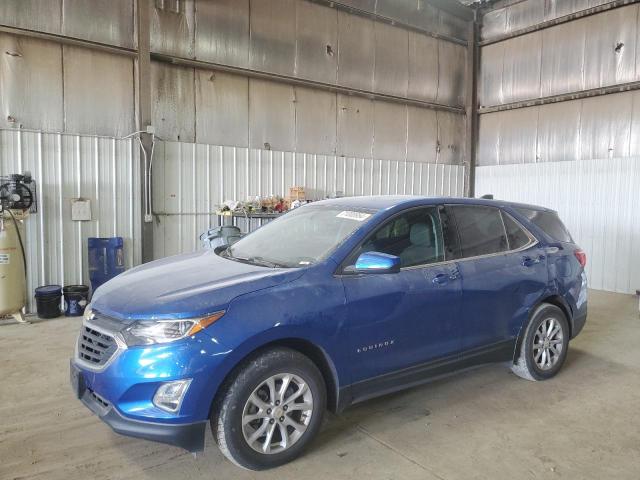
<point x="357" y="216"/>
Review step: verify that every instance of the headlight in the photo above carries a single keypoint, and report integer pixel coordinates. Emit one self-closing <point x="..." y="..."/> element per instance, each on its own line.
<point x="88" y="312"/>
<point x="151" y="332"/>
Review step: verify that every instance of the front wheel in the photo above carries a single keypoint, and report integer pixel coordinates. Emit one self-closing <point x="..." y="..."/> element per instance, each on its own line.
<point x="544" y="345"/>
<point x="270" y="410"/>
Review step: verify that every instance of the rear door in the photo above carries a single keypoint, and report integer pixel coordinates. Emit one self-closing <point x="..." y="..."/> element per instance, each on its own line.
<point x="503" y="272"/>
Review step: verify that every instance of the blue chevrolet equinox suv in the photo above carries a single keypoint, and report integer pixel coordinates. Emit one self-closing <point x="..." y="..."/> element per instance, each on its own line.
<point x="331" y="304"/>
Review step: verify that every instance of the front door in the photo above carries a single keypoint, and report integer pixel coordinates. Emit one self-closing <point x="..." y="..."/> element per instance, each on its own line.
<point x="403" y="320"/>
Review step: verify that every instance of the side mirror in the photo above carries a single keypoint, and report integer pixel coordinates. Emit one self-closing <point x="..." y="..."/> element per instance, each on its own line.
<point x="375" y="262"/>
<point x="220" y="248"/>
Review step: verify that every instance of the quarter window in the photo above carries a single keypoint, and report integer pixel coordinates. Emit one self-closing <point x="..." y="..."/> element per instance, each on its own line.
<point x="516" y="236"/>
<point x="480" y="229"/>
<point x="549" y="222"/>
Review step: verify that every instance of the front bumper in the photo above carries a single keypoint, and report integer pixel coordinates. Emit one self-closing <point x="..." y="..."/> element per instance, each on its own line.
<point x="189" y="436"/>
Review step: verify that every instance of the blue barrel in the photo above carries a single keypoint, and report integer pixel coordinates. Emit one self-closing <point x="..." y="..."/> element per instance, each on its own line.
<point x="106" y="259"/>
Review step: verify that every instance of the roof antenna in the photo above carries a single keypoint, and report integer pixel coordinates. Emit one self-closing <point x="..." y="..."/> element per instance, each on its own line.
<point x="488" y="196"/>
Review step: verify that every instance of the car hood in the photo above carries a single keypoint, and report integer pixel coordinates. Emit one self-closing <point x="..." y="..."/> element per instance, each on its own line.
<point x="184" y="286"/>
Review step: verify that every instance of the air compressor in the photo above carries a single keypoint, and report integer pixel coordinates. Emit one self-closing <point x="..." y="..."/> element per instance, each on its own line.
<point x="17" y="200"/>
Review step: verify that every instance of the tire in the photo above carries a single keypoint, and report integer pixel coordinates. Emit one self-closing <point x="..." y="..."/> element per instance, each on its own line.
<point x="251" y="394"/>
<point x="544" y="359"/>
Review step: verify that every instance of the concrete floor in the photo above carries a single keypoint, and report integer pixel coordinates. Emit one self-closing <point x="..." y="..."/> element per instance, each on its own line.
<point x="485" y="423"/>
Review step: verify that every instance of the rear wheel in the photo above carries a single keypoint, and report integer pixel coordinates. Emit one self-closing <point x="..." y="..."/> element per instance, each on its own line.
<point x="543" y="347"/>
<point x="270" y="410"/>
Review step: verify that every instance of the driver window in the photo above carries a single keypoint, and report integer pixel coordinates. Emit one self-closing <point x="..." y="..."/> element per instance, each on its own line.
<point x="414" y="236"/>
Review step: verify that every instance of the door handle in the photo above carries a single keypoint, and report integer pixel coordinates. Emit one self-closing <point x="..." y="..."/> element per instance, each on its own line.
<point x="441" y="279"/>
<point x="530" y="261"/>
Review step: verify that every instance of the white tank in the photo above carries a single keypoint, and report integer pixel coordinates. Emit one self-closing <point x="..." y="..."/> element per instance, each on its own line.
<point x="12" y="274"/>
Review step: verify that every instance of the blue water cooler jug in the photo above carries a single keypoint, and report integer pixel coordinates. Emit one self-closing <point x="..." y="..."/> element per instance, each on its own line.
<point x="106" y="259"/>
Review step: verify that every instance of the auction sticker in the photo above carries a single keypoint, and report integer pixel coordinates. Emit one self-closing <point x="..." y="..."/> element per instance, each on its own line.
<point x="357" y="216"/>
<point x="5" y="258"/>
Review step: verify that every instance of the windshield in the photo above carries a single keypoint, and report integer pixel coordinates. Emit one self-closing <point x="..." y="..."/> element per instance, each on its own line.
<point x="302" y="237"/>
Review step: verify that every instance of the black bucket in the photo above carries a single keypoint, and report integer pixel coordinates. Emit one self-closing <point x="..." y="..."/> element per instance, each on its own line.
<point x="48" y="301"/>
<point x="75" y="299"/>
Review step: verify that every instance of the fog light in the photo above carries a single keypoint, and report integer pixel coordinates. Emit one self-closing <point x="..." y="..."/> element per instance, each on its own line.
<point x="169" y="395"/>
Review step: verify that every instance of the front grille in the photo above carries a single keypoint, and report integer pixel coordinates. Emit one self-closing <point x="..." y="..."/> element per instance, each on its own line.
<point x="95" y="348"/>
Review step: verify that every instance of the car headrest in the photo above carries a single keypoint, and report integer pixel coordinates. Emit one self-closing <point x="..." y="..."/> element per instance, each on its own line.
<point x="420" y="234"/>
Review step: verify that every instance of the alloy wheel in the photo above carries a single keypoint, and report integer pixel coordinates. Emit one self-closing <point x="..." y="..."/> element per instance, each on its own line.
<point x="548" y="343"/>
<point x="277" y="413"/>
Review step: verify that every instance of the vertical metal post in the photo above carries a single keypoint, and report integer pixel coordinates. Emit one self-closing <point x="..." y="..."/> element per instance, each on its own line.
<point x="143" y="119"/>
<point x="471" y="120"/>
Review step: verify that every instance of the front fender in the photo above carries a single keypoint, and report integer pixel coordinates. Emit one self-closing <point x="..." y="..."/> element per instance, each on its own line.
<point x="308" y="310"/>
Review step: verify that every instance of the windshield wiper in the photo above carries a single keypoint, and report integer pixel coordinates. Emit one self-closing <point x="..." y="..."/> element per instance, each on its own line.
<point x="266" y="263"/>
<point x="253" y="260"/>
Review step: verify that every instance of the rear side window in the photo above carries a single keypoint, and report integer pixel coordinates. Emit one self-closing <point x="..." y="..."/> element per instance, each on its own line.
<point x="549" y="223"/>
<point x="516" y="236"/>
<point x="480" y="229"/>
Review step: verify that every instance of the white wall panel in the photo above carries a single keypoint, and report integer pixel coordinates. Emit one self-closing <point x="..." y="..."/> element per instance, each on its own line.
<point x="526" y="13"/>
<point x="316" y="42"/>
<point x="192" y="180"/>
<point x="30" y="84"/>
<point x="451" y="73"/>
<point x="605" y="126"/>
<point x="591" y="52"/>
<point x="391" y="61"/>
<point x="103" y="170"/>
<point x="597" y="200"/>
<point x="272" y="115"/>
<point x="42" y="15"/>
<point x="422" y="135"/>
<point x="356" y="43"/>
<point x="390" y="131"/>
<point x="315" y="121"/>
<point x="173" y="102"/>
<point x="273" y="36"/>
<point x="423" y="67"/>
<point x="173" y="33"/>
<point x="222" y="35"/>
<point x="103" y="21"/>
<point x="222" y="108"/>
<point x="97" y="82"/>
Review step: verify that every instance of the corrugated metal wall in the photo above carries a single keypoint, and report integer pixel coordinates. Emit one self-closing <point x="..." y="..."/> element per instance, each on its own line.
<point x="224" y="109"/>
<point x="230" y="136"/>
<point x="304" y="40"/>
<point x="62" y="88"/>
<point x="597" y="200"/>
<point x="101" y="169"/>
<point x="590" y="52"/>
<point x="380" y="110"/>
<point x="520" y="14"/>
<point x="104" y="21"/>
<point x="580" y="156"/>
<point x="591" y="128"/>
<point x="192" y="180"/>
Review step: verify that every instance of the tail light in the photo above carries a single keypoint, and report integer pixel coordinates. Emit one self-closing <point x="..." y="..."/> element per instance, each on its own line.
<point x="581" y="256"/>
